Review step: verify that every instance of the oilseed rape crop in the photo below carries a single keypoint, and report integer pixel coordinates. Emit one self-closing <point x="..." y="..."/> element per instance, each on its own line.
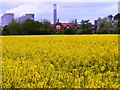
<point x="60" y="61"/>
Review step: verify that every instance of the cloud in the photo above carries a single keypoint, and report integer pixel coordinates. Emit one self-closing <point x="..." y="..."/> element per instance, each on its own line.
<point x="22" y="9"/>
<point x="30" y="7"/>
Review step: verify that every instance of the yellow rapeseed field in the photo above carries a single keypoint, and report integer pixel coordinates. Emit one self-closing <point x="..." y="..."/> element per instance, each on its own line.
<point x="60" y="61"/>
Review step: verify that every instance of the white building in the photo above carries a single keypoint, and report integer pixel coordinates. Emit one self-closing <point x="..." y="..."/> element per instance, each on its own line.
<point x="7" y="18"/>
<point x="119" y="7"/>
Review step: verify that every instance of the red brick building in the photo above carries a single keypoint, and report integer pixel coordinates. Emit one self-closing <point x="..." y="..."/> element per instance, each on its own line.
<point x="57" y="26"/>
<point x="62" y="26"/>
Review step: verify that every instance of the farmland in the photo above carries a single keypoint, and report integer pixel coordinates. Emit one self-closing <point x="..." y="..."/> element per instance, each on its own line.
<point x="62" y="61"/>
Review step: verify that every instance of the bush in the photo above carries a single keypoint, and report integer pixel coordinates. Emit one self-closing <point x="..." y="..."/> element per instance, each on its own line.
<point x="103" y="31"/>
<point x="70" y="31"/>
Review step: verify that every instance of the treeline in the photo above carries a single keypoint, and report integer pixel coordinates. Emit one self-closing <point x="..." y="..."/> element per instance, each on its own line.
<point x="107" y="25"/>
<point x="27" y="27"/>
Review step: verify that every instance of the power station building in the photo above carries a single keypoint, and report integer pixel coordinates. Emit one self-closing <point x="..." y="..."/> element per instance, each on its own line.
<point x="26" y="16"/>
<point x="7" y="18"/>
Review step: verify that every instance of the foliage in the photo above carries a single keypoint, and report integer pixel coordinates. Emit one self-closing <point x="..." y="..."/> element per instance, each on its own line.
<point x="45" y="28"/>
<point x="0" y="30"/>
<point x="70" y="31"/>
<point x="5" y="30"/>
<point x="109" y="24"/>
<point x="102" y="31"/>
<point x="14" y="28"/>
<point x="86" y="27"/>
<point x="27" y="27"/>
<point x="60" y="61"/>
<point x="117" y="16"/>
<point x="56" y="32"/>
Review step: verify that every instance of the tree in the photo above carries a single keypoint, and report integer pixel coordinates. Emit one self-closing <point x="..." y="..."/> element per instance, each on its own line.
<point x="28" y="26"/>
<point x="117" y="17"/>
<point x="107" y="25"/>
<point x="13" y="28"/>
<point x="86" y="26"/>
<point x="1" y="30"/>
<point x="5" y="30"/>
<point x="45" y="27"/>
<point x="110" y="17"/>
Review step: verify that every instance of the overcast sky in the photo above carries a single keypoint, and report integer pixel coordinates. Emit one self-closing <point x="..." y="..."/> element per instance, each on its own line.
<point x="67" y="10"/>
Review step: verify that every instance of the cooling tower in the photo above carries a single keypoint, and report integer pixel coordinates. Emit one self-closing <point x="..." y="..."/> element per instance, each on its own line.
<point x="7" y="18"/>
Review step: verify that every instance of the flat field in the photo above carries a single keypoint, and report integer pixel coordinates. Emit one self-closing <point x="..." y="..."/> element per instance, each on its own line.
<point x="60" y="61"/>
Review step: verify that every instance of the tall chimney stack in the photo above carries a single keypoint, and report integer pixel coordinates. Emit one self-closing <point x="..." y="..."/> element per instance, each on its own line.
<point x="55" y="14"/>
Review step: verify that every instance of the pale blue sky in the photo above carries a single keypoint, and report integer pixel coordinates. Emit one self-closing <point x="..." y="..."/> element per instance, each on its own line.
<point x="66" y="11"/>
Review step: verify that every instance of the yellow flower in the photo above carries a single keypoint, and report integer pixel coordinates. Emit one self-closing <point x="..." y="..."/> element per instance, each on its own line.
<point x="102" y="68"/>
<point x="59" y="61"/>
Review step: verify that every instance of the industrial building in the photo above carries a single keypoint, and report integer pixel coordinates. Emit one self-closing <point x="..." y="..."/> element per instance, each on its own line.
<point x="7" y="18"/>
<point x="26" y="16"/>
